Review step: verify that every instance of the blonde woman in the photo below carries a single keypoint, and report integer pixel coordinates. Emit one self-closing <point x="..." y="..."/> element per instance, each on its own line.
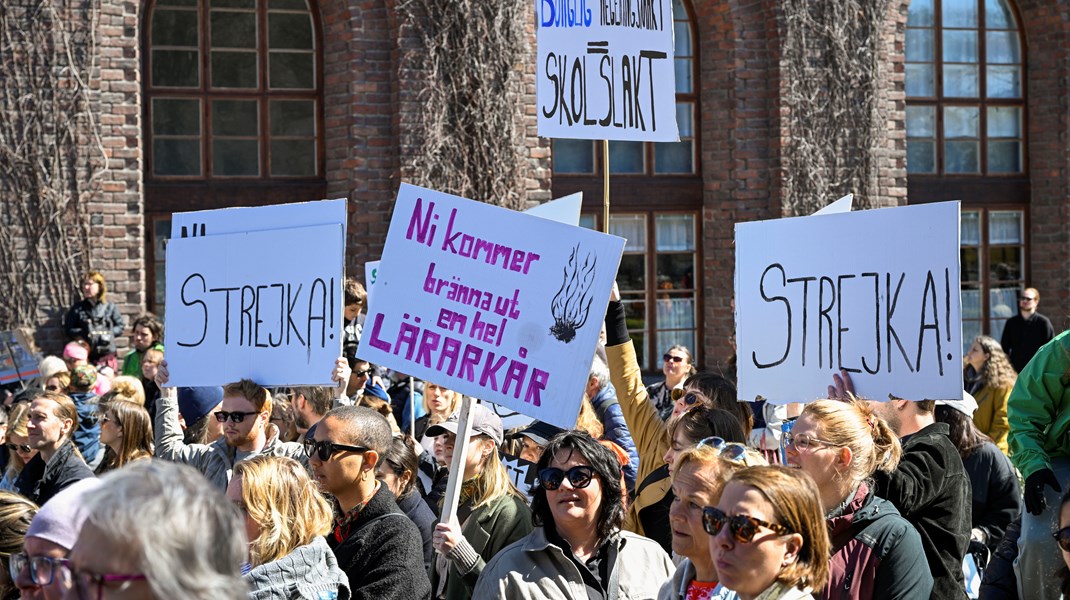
<point x="990" y="377"/>
<point x="127" y="389"/>
<point x="285" y="520"/>
<point x="440" y="403"/>
<point x="16" y="513"/>
<point x="492" y="513"/>
<point x="876" y="553"/>
<point x="18" y="445"/>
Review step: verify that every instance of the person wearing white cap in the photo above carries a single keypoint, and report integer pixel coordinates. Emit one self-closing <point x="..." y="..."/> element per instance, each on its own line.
<point x="491" y="514"/>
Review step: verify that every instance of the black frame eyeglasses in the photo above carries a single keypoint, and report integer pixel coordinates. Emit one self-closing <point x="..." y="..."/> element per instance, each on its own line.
<point x="24" y="448"/>
<point x="325" y="450"/>
<point x="670" y="357"/>
<point x="42" y="569"/>
<point x="742" y="527"/>
<point x="236" y="416"/>
<point x="578" y="477"/>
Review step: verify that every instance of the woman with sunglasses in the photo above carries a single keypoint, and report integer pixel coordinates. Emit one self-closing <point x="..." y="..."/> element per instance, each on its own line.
<point x="676" y="365"/>
<point x="767" y="536"/>
<point x="18" y="445"/>
<point x="577" y="549"/>
<point x="990" y="377"/>
<point x="491" y="514"/>
<point x="699" y="476"/>
<point x="876" y="553"/>
<point x="286" y="520"/>
<point x="126" y="432"/>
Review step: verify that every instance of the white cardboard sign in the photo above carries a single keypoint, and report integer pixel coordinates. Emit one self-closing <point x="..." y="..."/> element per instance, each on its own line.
<point x="875" y="292"/>
<point x="260" y="305"/>
<point x="490" y="302"/>
<point x="259" y="218"/>
<point x="606" y="70"/>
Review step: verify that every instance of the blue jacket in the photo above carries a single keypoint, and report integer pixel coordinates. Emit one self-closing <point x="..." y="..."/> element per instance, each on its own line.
<point x="87" y="435"/>
<point x="608" y="409"/>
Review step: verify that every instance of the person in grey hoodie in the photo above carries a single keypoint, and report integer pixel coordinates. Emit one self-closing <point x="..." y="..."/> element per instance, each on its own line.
<point x="285" y="521"/>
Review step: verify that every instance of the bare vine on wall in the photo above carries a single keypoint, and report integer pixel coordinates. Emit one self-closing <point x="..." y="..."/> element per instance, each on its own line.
<point x="834" y="127"/>
<point x="466" y="137"/>
<point x="51" y="152"/>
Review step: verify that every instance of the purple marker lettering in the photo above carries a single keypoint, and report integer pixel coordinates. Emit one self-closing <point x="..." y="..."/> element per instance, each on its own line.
<point x="490" y="371"/>
<point x="428" y="344"/>
<point x="471" y="357"/>
<point x="451" y="350"/>
<point x="376" y="342"/>
<point x="539" y="378"/>
<point x="515" y="375"/>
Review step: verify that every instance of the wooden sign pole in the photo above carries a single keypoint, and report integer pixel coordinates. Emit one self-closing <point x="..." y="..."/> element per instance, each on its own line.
<point x="460" y="451"/>
<point x="605" y="186"/>
<point x="412" y="408"/>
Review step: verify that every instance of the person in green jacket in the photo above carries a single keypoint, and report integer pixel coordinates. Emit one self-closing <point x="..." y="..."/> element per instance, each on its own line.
<point x="1039" y="416"/>
<point x="147" y="334"/>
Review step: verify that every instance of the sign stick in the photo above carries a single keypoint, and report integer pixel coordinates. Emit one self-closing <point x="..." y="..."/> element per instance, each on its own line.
<point x="605" y="186"/>
<point x="412" y="407"/>
<point x="460" y="451"/>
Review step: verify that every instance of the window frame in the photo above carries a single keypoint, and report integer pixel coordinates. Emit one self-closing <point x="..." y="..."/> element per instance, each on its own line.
<point x="985" y="270"/>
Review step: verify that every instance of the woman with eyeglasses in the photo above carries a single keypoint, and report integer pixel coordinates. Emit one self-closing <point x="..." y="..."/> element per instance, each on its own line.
<point x="767" y="536"/>
<point x="577" y="549"/>
<point x="676" y="365"/>
<point x="699" y="476"/>
<point x="876" y="553"/>
<point x="285" y="520"/>
<point x="491" y="513"/>
<point x="16" y="513"/>
<point x="126" y="432"/>
<point x="18" y="445"/>
<point x="990" y="377"/>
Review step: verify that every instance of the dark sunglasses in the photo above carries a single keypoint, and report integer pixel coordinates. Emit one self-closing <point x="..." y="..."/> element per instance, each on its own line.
<point x="579" y="476"/>
<point x="742" y="527"/>
<point x="325" y="450"/>
<point x="730" y="451"/>
<point x="1062" y="537"/>
<point x="236" y="416"/>
<point x="25" y="448"/>
<point x="364" y="373"/>
<point x="671" y="358"/>
<point x="688" y="397"/>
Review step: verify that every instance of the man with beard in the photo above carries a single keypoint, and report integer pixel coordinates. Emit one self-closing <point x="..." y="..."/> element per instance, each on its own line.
<point x="247" y="431"/>
<point x="309" y="405"/>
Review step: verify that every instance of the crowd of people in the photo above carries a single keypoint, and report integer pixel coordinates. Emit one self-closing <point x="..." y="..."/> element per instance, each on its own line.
<point x="118" y="485"/>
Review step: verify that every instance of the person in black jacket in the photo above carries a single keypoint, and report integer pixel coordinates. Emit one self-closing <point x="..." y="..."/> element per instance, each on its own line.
<point x="96" y="321"/>
<point x="377" y="546"/>
<point x="1027" y="331"/>
<point x="399" y="470"/>
<point x="57" y="464"/>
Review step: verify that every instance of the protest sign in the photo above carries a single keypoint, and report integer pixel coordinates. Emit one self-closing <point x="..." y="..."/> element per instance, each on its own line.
<point x="490" y="302"/>
<point x="371" y="274"/>
<point x="17" y="363"/>
<point x="874" y="292"/>
<point x="261" y="305"/>
<point x="606" y="71"/>
<point x="259" y="218"/>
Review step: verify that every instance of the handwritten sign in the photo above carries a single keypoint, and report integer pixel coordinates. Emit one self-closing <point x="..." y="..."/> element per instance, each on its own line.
<point x="490" y="302"/>
<point x="605" y="70"/>
<point x="17" y="363"/>
<point x="261" y="305"/>
<point x="202" y="223"/>
<point x="874" y="292"/>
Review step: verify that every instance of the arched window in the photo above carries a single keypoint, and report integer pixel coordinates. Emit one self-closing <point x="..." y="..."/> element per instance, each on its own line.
<point x="965" y="121"/>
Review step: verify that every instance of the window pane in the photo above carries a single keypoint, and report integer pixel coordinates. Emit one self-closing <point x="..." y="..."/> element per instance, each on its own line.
<point x="174" y="28"/>
<point x="674" y="232"/>
<point x="175" y="68"/>
<point x="234" y="4"/>
<point x="630" y="227"/>
<point x="921" y="156"/>
<point x="970" y="226"/>
<point x="625" y="157"/>
<point x="573" y="156"/>
<point x="1005" y="263"/>
<point x="960" y="81"/>
<point x="921" y="121"/>
<point x="296" y="158"/>
<point x="1004" y="82"/>
<point x="234" y="69"/>
<point x="970" y="264"/>
<point x="674" y="157"/>
<point x="919" y="80"/>
<point x="233" y="29"/>
<point x="998" y="16"/>
<point x="1002" y="305"/>
<point x="588" y="221"/>
<point x="919" y="45"/>
<point x="293" y="117"/>
<point x="234" y="118"/>
<point x="960" y="121"/>
<point x="971" y="303"/>
<point x="288" y="4"/>
<point x="1004" y="121"/>
<point x="1004" y="157"/>
<point x="632" y="272"/>
<point x="920" y="13"/>
<point x="675" y="311"/>
<point x="668" y="339"/>
<point x="960" y="13"/>
<point x="291" y="70"/>
<point x="970" y="330"/>
<point x="176" y="157"/>
<point x="683" y="75"/>
<point x="235" y="157"/>
<point x="960" y="46"/>
<point x="289" y="31"/>
<point x="1002" y="47"/>
<point x="172" y="116"/>
<point x="676" y="271"/>
<point x="1005" y="226"/>
<point x="961" y="157"/>
<point x="176" y="3"/>
<point x="681" y="33"/>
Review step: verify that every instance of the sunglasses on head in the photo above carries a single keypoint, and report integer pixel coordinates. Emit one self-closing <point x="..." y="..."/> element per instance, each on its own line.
<point x="325" y="450"/>
<point x="24" y="448"/>
<point x="730" y="451"/>
<point x="742" y="527"/>
<point x="1062" y="537"/>
<point x="580" y="477"/>
<point x="688" y="397"/>
<point x="236" y="416"/>
<point x="671" y="358"/>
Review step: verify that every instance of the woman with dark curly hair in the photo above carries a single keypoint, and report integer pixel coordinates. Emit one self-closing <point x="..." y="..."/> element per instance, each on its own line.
<point x="577" y="548"/>
<point x="990" y="377"/>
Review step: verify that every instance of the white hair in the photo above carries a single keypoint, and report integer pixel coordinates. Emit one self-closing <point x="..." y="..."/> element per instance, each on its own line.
<point x="188" y="539"/>
<point x="599" y="371"/>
